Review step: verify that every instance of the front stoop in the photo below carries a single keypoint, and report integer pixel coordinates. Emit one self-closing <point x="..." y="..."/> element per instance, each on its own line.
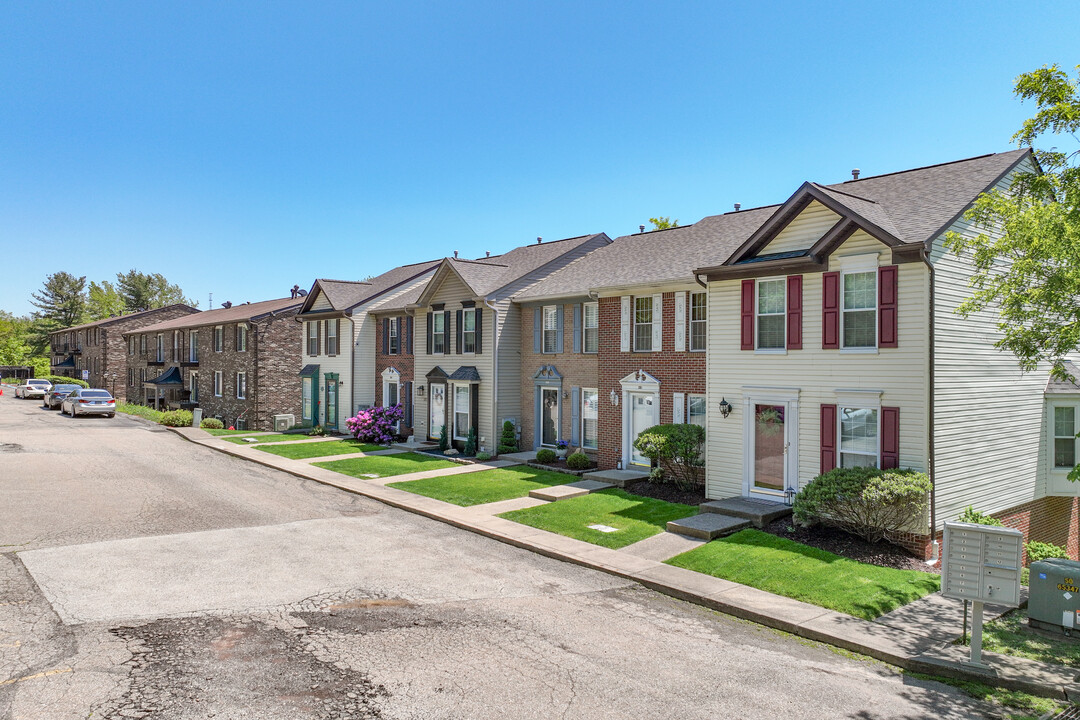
<point x="619" y="478"/>
<point x="758" y="512"/>
<point x="574" y="489"/>
<point x="707" y="526"/>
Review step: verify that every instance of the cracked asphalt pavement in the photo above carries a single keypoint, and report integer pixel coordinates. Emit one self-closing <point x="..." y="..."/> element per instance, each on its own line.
<point x="144" y="576"/>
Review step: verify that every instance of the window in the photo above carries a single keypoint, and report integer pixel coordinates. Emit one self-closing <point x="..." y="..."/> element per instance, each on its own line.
<point x="1065" y="437"/>
<point x="177" y="343"/>
<point x="219" y="338"/>
<point x="331" y="337"/>
<point x="391" y="398"/>
<point x="142" y="344"/>
<point x="142" y="375"/>
<point x="695" y="410"/>
<point x="551" y="329"/>
<point x="217" y="383"/>
<point x="193" y="386"/>
<point x="698" y="337"/>
<point x="241" y="385"/>
<point x="131" y="345"/>
<point x="770" y="314"/>
<point x="462" y="400"/>
<point x="392" y="331"/>
<point x="590" y="329"/>
<point x="858" y="437"/>
<point x="589" y="407"/>
<point x="438" y="333"/>
<point x="241" y="337"/>
<point x="860" y="310"/>
<point x="468" y="330"/>
<point x="305" y="389"/>
<point x="160" y="348"/>
<point x="313" y="338"/>
<point x="643" y="318"/>
<point x="193" y="346"/>
<point x="131" y="377"/>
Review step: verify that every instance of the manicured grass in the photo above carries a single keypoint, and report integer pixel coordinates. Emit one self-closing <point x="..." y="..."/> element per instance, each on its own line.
<point x="299" y="451"/>
<point x="783" y="567"/>
<point x="1010" y="635"/>
<point x="633" y="517"/>
<point x="140" y="410"/>
<point x="277" y="437"/>
<point x="224" y="431"/>
<point x="385" y="465"/>
<point x="485" y="486"/>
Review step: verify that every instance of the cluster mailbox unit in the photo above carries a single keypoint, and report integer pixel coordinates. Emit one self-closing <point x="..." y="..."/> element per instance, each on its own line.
<point x="981" y="563"/>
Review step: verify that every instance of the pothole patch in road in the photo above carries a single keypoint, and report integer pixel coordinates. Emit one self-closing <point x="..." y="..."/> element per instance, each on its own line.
<point x="10" y="447"/>
<point x="230" y="667"/>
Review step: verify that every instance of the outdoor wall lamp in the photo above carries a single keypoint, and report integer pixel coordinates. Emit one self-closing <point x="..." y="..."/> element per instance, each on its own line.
<point x="614" y="398"/>
<point x="725" y="407"/>
<point x="565" y="394"/>
<point x="419" y="391"/>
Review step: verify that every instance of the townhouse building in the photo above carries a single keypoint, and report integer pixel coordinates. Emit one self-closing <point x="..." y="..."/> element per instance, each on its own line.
<point x="237" y="362"/>
<point x="99" y="349"/>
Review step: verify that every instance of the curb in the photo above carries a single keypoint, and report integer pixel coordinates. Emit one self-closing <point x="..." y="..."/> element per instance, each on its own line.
<point x="898" y="647"/>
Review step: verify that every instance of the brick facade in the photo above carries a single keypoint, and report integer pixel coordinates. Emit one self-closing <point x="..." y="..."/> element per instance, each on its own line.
<point x="402" y="361"/>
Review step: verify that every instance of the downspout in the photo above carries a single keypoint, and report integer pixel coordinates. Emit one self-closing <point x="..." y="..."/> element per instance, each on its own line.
<point x="935" y="549"/>
<point x="258" y="385"/>
<point x="495" y="370"/>
<point x="352" y="362"/>
<point x="697" y="279"/>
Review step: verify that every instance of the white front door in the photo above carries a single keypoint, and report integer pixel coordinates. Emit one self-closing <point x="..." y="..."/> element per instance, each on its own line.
<point x="772" y="444"/>
<point x="436" y="410"/>
<point x="644" y="413"/>
<point x="549" y="416"/>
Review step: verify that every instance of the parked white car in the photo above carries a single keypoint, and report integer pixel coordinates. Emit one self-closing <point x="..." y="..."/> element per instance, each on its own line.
<point x="32" y="388"/>
<point x="89" y="402"/>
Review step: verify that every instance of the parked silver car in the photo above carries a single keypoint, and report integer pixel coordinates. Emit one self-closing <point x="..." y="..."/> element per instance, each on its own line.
<point x="56" y="395"/>
<point x="34" y="387"/>
<point x="89" y="402"/>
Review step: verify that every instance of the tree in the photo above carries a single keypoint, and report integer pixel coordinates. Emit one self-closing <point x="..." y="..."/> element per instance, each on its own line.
<point x="663" y="223"/>
<point x="144" y="291"/>
<point x="103" y="301"/>
<point x="1029" y="268"/>
<point x="61" y="301"/>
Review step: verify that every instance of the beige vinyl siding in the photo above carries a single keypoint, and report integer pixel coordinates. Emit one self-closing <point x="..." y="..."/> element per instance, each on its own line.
<point x="810" y="226"/>
<point x="340" y="364"/>
<point x="900" y="373"/>
<point x="321" y="303"/>
<point x="510" y="377"/>
<point x="988" y="415"/>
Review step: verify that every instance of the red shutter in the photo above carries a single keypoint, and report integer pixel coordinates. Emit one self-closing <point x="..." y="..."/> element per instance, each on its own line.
<point x="887" y="301"/>
<point x="890" y="437"/>
<point x="748" y="314"/>
<point x="830" y="311"/>
<point x="794" y="312"/>
<point x="828" y="438"/>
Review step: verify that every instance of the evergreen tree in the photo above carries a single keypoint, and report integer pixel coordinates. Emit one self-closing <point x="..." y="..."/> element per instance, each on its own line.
<point x="444" y="439"/>
<point x="104" y="301"/>
<point x="145" y="291"/>
<point x="61" y="302"/>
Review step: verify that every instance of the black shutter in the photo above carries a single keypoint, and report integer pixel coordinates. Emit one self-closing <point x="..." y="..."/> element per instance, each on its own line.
<point x="406" y="402"/>
<point x="429" y="322"/>
<point x="386" y="336"/>
<point x="457" y="345"/>
<point x="446" y="332"/>
<point x="479" y="330"/>
<point x="474" y="409"/>
<point x="409" y="324"/>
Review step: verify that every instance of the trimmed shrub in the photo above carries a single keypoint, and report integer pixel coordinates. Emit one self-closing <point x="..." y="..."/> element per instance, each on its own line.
<point x="578" y="461"/>
<point x="470" y="442"/>
<point x="508" y="440"/>
<point x="1039" y="551"/>
<point x="211" y="424"/>
<point x="971" y="515"/>
<point x="676" y="449"/>
<point x="545" y="455"/>
<point x="375" y="424"/>
<point x="176" y="418"/>
<point x="483" y="456"/>
<point x="316" y="431"/>
<point x="444" y="439"/>
<point x="61" y="380"/>
<point x="871" y="503"/>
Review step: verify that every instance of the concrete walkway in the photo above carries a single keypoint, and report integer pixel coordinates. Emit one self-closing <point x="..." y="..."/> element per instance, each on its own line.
<point x="906" y="640"/>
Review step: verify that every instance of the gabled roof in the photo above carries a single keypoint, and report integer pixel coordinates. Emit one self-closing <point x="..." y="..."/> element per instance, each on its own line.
<point x="220" y="316"/>
<point x="344" y="295"/>
<point x="1054" y="386"/>
<point x="490" y="274"/>
<point x="118" y="318"/>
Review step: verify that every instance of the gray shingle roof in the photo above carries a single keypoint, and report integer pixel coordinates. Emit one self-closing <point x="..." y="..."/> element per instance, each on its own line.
<point x="221" y="316"/>
<point x="118" y="318"/>
<point x="1055" y="386"/>
<point x="344" y="294"/>
<point x="466" y="373"/>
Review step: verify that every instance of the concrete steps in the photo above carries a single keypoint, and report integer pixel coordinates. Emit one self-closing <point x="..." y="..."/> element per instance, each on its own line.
<point x="574" y="489"/>
<point x="758" y="512"/>
<point x="707" y="526"/>
<point x="619" y="478"/>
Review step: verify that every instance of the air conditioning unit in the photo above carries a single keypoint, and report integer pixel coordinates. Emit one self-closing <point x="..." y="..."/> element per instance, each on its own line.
<point x="1055" y="599"/>
<point x="284" y="422"/>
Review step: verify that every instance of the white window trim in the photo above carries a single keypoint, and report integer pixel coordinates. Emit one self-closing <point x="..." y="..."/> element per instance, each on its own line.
<point x="704" y="400"/>
<point x="337" y="339"/>
<point x="581" y="410"/>
<point x="219" y="383"/>
<point x="1061" y="472"/>
<point x="242" y="333"/>
<point x="306" y="405"/>
<point x="840" y="452"/>
<point x="554" y="310"/>
<point x="393" y="336"/>
<point x="444" y="333"/>
<point x="690" y="322"/>
<point x="854" y="265"/>
<point x="757" y="316"/>
<point x="464" y="313"/>
<point x="219" y="338"/>
<point x="635" y="325"/>
<point x="193" y="385"/>
<point x="585" y="327"/>
<point x="159" y="348"/>
<point x="240" y="385"/>
<point x="193" y="346"/>
<point x="468" y="412"/>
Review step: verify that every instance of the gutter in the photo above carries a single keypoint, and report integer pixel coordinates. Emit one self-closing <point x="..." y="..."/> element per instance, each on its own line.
<point x="495" y="370"/>
<point x="935" y="547"/>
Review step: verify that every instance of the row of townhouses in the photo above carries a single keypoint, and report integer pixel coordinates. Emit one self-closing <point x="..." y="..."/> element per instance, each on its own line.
<point x="813" y="334"/>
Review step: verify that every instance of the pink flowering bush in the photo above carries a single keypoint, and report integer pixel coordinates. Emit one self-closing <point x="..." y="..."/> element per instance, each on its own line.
<point x="376" y="424"/>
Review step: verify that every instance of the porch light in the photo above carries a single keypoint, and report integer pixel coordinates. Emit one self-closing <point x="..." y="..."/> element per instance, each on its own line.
<point x="614" y="398"/>
<point x="419" y="391"/>
<point x="725" y="407"/>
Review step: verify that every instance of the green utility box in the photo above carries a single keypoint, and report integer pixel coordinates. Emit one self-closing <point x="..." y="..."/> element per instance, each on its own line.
<point x="1054" y="595"/>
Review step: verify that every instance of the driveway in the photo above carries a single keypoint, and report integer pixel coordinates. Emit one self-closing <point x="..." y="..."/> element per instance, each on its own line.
<point x="144" y="576"/>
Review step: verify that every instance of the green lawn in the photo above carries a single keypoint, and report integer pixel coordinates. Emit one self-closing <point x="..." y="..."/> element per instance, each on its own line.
<point x="1010" y="635"/>
<point x="485" y="486"/>
<point x="239" y="436"/>
<point x="633" y="517"/>
<point x="783" y="567"/>
<point x="385" y="465"/>
<point x="140" y="410"/>
<point x="225" y="431"/>
<point x="299" y="451"/>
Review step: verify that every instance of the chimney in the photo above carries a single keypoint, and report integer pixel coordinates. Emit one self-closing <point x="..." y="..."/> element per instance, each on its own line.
<point x="855" y="174"/>
<point x="226" y="304"/>
<point x="295" y="291"/>
<point x="455" y="254"/>
<point x="738" y="207"/>
<point x="641" y="228"/>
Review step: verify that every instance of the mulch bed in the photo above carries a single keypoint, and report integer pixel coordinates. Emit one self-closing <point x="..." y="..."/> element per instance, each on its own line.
<point x="668" y="492"/>
<point x="849" y="546"/>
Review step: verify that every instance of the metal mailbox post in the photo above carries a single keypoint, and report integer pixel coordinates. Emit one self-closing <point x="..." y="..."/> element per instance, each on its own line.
<point x="981" y="563"/>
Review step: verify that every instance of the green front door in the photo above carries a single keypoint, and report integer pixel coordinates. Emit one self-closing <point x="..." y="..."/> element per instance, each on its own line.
<point x="331" y="401"/>
<point x="310" y="397"/>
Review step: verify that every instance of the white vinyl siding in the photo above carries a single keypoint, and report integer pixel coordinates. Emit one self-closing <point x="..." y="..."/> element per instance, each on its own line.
<point x="698" y="326"/>
<point x="811" y="225"/>
<point x="771" y="321"/>
<point x="590" y="331"/>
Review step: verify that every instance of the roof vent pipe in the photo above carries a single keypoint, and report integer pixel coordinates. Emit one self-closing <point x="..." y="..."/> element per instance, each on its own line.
<point x="641" y="228"/>
<point x="487" y="253"/>
<point x="855" y="174"/>
<point x="455" y="254"/>
<point x="738" y="206"/>
<point x="539" y="240"/>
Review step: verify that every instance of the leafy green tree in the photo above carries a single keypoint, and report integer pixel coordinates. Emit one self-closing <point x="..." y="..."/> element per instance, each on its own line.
<point x="1026" y="253"/>
<point x="103" y="301"/>
<point x="61" y="301"/>
<point x="663" y="223"/>
<point x="145" y="291"/>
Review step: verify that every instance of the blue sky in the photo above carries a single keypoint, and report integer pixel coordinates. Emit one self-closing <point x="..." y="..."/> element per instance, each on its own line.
<point x="239" y="148"/>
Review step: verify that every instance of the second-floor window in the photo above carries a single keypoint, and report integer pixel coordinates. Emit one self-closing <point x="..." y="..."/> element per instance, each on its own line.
<point x="160" y="355"/>
<point x="131" y="345"/>
<point x="313" y="338"/>
<point x="332" y="337"/>
<point x="551" y="329"/>
<point x="438" y="333"/>
<point x="771" y="319"/>
<point x="217" y="383"/>
<point x="241" y="337"/>
<point x="177" y="344"/>
<point x="468" y="330"/>
<point x="241" y="385"/>
<point x="590" y="328"/>
<point x="193" y="346"/>
<point x="392" y="330"/>
<point x="643" y="320"/>
<point x="698" y="336"/>
<point x="142" y="345"/>
<point x="860" y="310"/>
<point x="219" y="338"/>
<point x="1065" y="437"/>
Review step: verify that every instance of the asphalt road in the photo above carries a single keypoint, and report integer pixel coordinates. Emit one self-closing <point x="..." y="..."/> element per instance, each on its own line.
<point x="144" y="576"/>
